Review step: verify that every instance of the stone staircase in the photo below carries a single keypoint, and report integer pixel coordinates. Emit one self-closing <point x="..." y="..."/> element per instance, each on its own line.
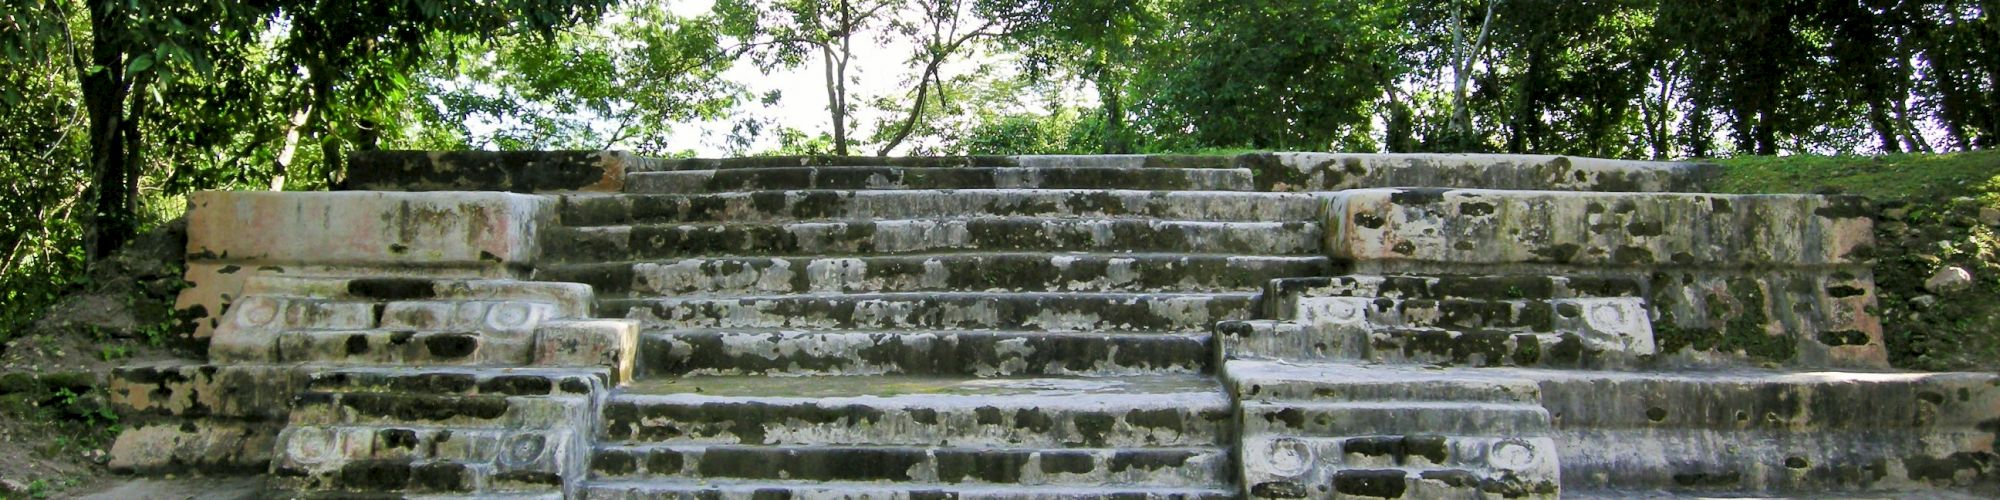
<point x="845" y="331"/>
<point x="1264" y="326"/>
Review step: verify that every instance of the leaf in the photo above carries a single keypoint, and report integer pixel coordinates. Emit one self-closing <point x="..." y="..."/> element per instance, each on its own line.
<point x="138" y="64"/>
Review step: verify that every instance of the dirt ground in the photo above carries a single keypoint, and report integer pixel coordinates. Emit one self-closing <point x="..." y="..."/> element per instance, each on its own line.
<point x="56" y="425"/>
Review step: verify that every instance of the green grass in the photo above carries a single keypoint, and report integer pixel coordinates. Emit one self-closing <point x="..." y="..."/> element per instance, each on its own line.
<point x="1900" y="176"/>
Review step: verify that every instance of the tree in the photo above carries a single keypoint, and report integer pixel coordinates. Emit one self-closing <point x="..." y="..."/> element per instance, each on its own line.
<point x="621" y="84"/>
<point x="1100" y="41"/>
<point x="1272" y="74"/>
<point x="943" y="29"/>
<point x="783" y="33"/>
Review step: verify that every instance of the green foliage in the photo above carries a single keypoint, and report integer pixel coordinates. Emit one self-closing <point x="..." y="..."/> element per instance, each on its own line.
<point x="615" y="86"/>
<point x="1272" y="74"/>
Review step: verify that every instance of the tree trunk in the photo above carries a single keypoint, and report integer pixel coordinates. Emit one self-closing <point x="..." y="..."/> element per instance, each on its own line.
<point x="1885" y="130"/>
<point x="291" y="146"/>
<point x="1461" y="118"/>
<point x="104" y="95"/>
<point x="1113" y="136"/>
<point x="916" y="108"/>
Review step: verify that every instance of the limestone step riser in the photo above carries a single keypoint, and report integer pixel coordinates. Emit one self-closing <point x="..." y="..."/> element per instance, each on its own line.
<point x="950" y="272"/>
<point x="1152" y="420"/>
<point x="808" y="491"/>
<point x="1266" y="381"/>
<point x="403" y="347"/>
<point x="1288" y="340"/>
<point x="267" y="328"/>
<point x="1162" y="179"/>
<point x="1296" y="418"/>
<point x="567" y="299"/>
<point x="653" y="242"/>
<point x="1776" y="462"/>
<point x="480" y="411"/>
<point x="1489" y="454"/>
<point x="786" y="206"/>
<point x="1036" y="161"/>
<point x="1447" y="287"/>
<point x="1402" y="467"/>
<point x="979" y="354"/>
<point x="396" y="478"/>
<point x="1609" y="317"/>
<point x="1190" y="313"/>
<point x="1400" y="483"/>
<point x="463" y="381"/>
<point x="305" y="448"/>
<point x="1154" y="467"/>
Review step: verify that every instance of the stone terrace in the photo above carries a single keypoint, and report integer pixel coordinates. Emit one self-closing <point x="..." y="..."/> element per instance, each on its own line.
<point x="1289" y="325"/>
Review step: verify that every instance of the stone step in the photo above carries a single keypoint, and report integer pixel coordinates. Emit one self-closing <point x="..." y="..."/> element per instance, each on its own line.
<point x="305" y="448"/>
<point x="919" y="352"/>
<point x="810" y="205"/>
<point x="891" y="491"/>
<point x="1773" y="433"/>
<point x="651" y="242"/>
<point x="417" y="479"/>
<point x="1608" y="317"/>
<point x="1484" y="454"/>
<point x="1048" y="412"/>
<point x="1482" y="348"/>
<point x="1253" y="380"/>
<point x="1443" y="287"/>
<point x="463" y="381"/>
<point x="1420" y="483"/>
<point x="1366" y="418"/>
<point x="480" y="411"/>
<point x="267" y="328"/>
<point x="875" y="177"/>
<point x="1041" y="161"/>
<point x="1178" y="467"/>
<point x="1024" y="271"/>
<point x="1167" y="312"/>
<point x="1265" y="339"/>
<point x="402" y="347"/>
<point x="568" y="299"/>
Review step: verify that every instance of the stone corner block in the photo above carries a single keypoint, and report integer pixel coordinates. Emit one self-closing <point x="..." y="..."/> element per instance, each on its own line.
<point x="234" y="235"/>
<point x="609" y="343"/>
<point x="209" y="445"/>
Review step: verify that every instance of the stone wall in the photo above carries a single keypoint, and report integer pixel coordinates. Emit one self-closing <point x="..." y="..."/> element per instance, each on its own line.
<point x="233" y="235"/>
<point x="1766" y="279"/>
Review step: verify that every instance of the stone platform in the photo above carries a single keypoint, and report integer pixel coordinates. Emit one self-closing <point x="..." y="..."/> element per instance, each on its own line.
<point x="1289" y="325"/>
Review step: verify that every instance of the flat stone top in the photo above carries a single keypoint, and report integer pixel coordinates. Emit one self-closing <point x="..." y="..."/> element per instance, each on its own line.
<point x="1347" y="373"/>
<point x="889" y="386"/>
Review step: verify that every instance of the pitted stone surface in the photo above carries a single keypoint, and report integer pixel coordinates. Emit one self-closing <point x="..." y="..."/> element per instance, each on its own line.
<point x="884" y="178"/>
<point x="1050" y="327"/>
<point x="1026" y="272"/>
<point x="799" y="205"/>
<point x="620" y="243"/>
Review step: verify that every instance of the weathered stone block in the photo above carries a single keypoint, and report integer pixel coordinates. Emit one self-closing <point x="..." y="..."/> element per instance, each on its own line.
<point x="1338" y="171"/>
<point x="232" y="235"/>
<point x="612" y="344"/>
<point x="1483" y="227"/>
<point x="1765" y="278"/>
<point x="209" y="445"/>
<point x="253" y="392"/>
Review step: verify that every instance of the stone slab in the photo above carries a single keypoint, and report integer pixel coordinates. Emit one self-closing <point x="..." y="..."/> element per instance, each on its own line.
<point x="233" y="235"/>
<point x="1485" y="227"/>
